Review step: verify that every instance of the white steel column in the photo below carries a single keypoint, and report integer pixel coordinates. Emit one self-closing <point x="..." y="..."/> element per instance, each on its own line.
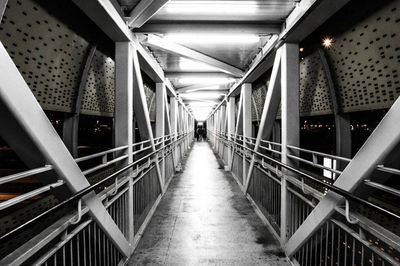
<point x="141" y="111"/>
<point x="174" y="124"/>
<point x="222" y="130"/>
<point x="160" y="120"/>
<point x="231" y="128"/>
<point x="123" y="121"/>
<point x="247" y="122"/>
<point x="290" y="81"/>
<point x="271" y="107"/>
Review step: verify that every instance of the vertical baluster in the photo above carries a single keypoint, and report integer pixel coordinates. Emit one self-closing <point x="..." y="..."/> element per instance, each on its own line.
<point x="84" y="245"/>
<point x="338" y="247"/>
<point x="345" y="248"/>
<point x="78" y="257"/>
<point x="332" y="243"/>
<point x="353" y="253"/>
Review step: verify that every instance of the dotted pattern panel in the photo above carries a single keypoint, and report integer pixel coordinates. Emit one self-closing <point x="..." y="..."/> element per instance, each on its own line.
<point x="99" y="94"/>
<point x="314" y="92"/>
<point x="259" y="94"/>
<point x="366" y="60"/>
<point x="151" y="102"/>
<point x="48" y="54"/>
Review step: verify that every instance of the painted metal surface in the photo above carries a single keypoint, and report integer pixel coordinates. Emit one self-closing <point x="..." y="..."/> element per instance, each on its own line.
<point x="19" y="108"/>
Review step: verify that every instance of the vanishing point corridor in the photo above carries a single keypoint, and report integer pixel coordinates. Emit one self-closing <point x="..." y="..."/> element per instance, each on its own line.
<point x="205" y="219"/>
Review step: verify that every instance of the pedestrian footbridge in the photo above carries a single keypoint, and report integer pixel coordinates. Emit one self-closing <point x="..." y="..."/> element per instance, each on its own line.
<point x="160" y="132"/>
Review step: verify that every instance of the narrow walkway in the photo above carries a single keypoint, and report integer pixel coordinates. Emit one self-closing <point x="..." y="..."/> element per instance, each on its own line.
<point x="204" y="219"/>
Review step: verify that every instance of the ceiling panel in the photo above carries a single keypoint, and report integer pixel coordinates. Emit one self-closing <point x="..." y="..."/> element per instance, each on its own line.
<point x="267" y="10"/>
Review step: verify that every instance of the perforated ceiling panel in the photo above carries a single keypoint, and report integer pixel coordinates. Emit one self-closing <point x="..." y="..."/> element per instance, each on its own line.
<point x="366" y="60"/>
<point x="51" y="56"/>
<point x="48" y="54"/>
<point x="99" y="94"/>
<point x="314" y="93"/>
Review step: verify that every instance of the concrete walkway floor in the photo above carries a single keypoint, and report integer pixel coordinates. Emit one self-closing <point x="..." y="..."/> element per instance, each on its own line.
<point x="204" y="219"/>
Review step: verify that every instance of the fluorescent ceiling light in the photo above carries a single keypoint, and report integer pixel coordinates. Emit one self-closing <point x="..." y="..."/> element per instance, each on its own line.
<point x="209" y="88"/>
<point x="202" y="104"/>
<point x="201" y="95"/>
<point x="205" y="80"/>
<point x="212" y="38"/>
<point x="189" y="65"/>
<point x="212" y="7"/>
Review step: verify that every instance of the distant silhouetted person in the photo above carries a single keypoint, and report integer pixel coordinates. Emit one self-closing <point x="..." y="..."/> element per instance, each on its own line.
<point x="200" y="133"/>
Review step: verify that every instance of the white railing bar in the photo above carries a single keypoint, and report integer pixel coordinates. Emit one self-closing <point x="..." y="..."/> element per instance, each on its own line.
<point x="20" y="198"/>
<point x="271" y="150"/>
<point x="13" y="177"/>
<point x="320" y="153"/>
<point x="91" y="170"/>
<point x="99" y="154"/>
<point x="388" y="169"/>
<point x="390" y="190"/>
<point x="314" y="164"/>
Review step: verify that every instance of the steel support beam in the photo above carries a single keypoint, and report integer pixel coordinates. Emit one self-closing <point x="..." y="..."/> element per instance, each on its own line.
<point x="290" y="88"/>
<point x="160" y="43"/>
<point x="247" y="121"/>
<point x="231" y="108"/>
<point x="382" y="142"/>
<point x="174" y="123"/>
<point x="141" y="111"/>
<point x="271" y="107"/>
<point x="210" y="27"/>
<point x="71" y="121"/>
<point x="144" y="11"/>
<point x="160" y="120"/>
<point x="104" y="14"/>
<point x="24" y="117"/>
<point x="107" y="18"/>
<point x="123" y="119"/>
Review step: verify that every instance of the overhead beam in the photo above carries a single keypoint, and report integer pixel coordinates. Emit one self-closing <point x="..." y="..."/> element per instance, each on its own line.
<point x="381" y="143"/>
<point x="148" y="63"/>
<point x="144" y="11"/>
<point x="107" y="18"/>
<point x="104" y="14"/>
<point x="212" y="27"/>
<point x="160" y="43"/>
<point x="174" y="75"/>
<point x="307" y="17"/>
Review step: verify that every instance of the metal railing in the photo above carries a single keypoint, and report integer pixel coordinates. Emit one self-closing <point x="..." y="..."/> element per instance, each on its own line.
<point x="348" y="238"/>
<point x="75" y="239"/>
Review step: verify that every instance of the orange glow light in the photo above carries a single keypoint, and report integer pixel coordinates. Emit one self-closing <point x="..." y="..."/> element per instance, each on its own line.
<point x="327" y="42"/>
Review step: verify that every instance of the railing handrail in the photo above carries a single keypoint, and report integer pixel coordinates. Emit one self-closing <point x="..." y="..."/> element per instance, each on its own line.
<point x="88" y="189"/>
<point x="341" y="192"/>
